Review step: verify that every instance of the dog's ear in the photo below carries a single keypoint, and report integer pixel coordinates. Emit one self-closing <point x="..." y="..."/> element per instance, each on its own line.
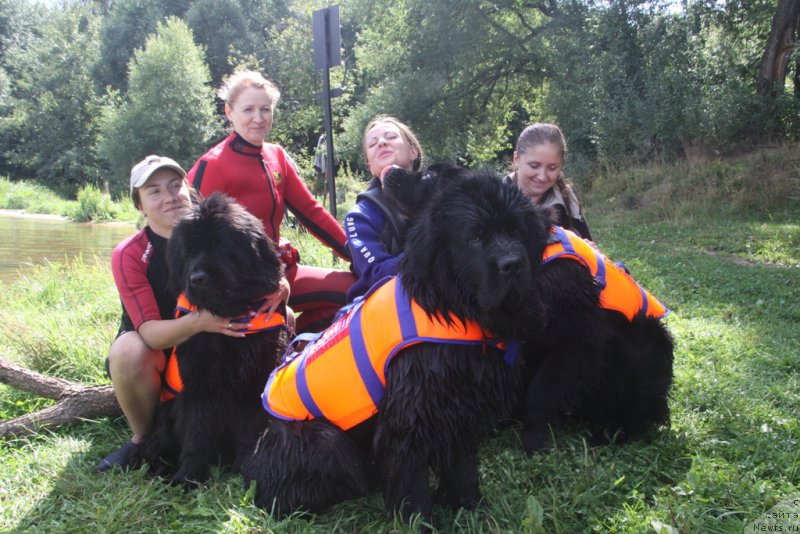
<point x="411" y="192"/>
<point x="268" y="251"/>
<point x="538" y="225"/>
<point x="444" y="175"/>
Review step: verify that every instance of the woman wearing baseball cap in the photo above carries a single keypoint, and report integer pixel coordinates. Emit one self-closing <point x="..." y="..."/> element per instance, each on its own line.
<point x="148" y="329"/>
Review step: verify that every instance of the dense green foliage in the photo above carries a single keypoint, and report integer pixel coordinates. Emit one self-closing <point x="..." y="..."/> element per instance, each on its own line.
<point x="50" y="127"/>
<point x="726" y="262"/>
<point x="168" y="75"/>
<point x="85" y="88"/>
<point x="93" y="205"/>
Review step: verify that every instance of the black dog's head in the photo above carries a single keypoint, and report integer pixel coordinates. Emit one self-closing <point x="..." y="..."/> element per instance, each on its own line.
<point x="221" y="258"/>
<point x="473" y="250"/>
<point x="410" y="191"/>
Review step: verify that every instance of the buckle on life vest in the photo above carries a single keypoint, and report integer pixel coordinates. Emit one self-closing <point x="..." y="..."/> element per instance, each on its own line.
<point x="510" y="348"/>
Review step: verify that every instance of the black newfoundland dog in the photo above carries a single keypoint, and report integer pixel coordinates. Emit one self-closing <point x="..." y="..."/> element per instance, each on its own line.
<point x="604" y="357"/>
<point x="453" y="316"/>
<point x="222" y="261"/>
<point x="601" y="355"/>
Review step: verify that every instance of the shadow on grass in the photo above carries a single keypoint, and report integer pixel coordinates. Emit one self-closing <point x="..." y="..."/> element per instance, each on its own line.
<point x="56" y="472"/>
<point x="71" y="496"/>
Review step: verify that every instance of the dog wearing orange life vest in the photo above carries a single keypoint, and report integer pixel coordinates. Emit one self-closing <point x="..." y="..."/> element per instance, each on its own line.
<point x="220" y="260"/>
<point x="411" y="379"/>
<point x="603" y="356"/>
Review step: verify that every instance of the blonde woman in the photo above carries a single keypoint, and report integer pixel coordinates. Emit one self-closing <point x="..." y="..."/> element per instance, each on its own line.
<point x="538" y="162"/>
<point x="263" y="178"/>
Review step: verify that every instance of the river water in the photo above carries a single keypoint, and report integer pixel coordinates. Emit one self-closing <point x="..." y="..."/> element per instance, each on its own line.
<point x="30" y="240"/>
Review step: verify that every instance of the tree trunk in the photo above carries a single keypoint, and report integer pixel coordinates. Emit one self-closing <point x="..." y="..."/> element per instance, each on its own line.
<point x="75" y="402"/>
<point x="783" y="34"/>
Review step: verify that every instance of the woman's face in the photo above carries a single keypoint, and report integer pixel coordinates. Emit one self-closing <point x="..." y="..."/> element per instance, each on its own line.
<point x="251" y="114"/>
<point x="163" y="199"/>
<point x="385" y="144"/>
<point x="538" y="168"/>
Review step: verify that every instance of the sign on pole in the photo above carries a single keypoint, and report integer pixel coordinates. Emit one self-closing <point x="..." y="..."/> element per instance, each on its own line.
<point x="327" y="38"/>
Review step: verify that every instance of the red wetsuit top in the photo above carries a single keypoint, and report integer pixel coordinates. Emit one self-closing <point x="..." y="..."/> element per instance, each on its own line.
<point x="139" y="266"/>
<point x="264" y="179"/>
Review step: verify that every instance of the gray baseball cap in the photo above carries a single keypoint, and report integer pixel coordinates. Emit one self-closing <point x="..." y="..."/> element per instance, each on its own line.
<point x="145" y="168"/>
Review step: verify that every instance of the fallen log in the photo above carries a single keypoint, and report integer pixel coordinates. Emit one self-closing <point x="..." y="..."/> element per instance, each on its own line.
<point x="74" y="402"/>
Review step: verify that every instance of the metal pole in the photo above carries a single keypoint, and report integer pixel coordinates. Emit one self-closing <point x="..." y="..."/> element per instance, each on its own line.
<point x="329" y="177"/>
<point x="327" y="40"/>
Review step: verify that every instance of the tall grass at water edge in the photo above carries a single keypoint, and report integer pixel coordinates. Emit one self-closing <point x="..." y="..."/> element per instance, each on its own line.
<point x="90" y="204"/>
<point x="728" y="456"/>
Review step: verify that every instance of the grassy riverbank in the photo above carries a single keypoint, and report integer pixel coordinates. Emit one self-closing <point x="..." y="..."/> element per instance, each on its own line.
<point x="91" y="204"/>
<point x="722" y="253"/>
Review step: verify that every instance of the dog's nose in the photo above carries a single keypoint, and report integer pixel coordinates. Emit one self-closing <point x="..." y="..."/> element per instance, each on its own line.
<point x="509" y="265"/>
<point x="198" y="278"/>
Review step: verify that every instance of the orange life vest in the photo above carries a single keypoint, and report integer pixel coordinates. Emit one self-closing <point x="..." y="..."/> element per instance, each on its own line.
<point x="172" y="384"/>
<point x="342" y="374"/>
<point x="618" y="291"/>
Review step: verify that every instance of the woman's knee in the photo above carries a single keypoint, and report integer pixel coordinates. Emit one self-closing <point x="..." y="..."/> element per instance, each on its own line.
<point x="130" y="355"/>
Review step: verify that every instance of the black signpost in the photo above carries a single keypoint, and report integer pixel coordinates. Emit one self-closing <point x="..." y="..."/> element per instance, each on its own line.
<point x="327" y="42"/>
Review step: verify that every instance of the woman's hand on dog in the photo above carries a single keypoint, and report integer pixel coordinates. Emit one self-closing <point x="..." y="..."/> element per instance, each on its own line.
<point x="205" y="321"/>
<point x="163" y="334"/>
<point x="271" y="302"/>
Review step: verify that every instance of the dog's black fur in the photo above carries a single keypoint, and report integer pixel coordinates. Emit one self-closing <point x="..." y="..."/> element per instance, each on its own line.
<point x="220" y="257"/>
<point x="471" y="255"/>
<point x="592" y="364"/>
<point x="588" y="362"/>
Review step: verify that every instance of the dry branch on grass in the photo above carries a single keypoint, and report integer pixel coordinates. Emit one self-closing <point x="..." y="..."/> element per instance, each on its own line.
<point x="74" y="402"/>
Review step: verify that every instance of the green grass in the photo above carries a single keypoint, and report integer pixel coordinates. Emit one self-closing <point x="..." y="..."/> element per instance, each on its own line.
<point x="23" y="195"/>
<point x="91" y="203"/>
<point x="730" y="453"/>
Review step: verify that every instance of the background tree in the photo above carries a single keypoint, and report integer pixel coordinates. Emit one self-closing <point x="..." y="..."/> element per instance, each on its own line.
<point x="19" y="23"/>
<point x="124" y="30"/>
<point x="456" y="70"/>
<point x="221" y="27"/>
<point x="55" y="108"/>
<point x="628" y="80"/>
<point x="782" y="45"/>
<point x="168" y="108"/>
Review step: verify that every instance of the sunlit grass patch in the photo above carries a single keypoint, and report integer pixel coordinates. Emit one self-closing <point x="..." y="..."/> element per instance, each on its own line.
<point x="61" y="318"/>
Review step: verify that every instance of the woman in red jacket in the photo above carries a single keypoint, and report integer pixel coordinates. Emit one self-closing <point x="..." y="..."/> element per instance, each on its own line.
<point x="264" y="179"/>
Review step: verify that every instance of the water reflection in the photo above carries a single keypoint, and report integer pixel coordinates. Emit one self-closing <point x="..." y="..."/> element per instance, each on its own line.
<point x="25" y="241"/>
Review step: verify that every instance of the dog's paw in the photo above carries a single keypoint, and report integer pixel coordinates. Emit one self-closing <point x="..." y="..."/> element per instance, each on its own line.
<point x="188" y="479"/>
<point x="162" y="469"/>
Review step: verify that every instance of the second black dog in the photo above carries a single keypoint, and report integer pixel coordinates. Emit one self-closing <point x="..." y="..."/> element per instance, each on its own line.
<point x="603" y="356"/>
